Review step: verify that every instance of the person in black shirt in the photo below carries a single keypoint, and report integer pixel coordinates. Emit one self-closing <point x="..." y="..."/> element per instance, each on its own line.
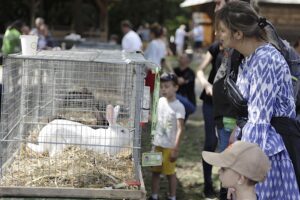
<point x="214" y="57"/>
<point x="186" y="81"/>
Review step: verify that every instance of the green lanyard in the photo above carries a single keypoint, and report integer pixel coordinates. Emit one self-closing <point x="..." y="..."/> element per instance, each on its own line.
<point x="155" y="102"/>
<point x="153" y="158"/>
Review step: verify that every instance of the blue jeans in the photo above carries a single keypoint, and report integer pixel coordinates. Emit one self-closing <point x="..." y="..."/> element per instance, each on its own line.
<point x="210" y="140"/>
<point x="224" y="135"/>
<point x="188" y="106"/>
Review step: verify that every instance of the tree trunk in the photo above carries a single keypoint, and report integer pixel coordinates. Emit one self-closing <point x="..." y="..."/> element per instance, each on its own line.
<point x="103" y="19"/>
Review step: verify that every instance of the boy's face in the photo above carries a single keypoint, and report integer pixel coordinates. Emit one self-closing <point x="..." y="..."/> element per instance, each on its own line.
<point x="228" y="177"/>
<point x="168" y="89"/>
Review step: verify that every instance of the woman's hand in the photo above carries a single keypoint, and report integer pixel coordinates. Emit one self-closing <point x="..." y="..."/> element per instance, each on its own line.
<point x="181" y="81"/>
<point x="208" y="89"/>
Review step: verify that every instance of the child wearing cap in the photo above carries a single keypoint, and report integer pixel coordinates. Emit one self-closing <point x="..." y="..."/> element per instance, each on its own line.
<point x="242" y="165"/>
<point x="169" y="129"/>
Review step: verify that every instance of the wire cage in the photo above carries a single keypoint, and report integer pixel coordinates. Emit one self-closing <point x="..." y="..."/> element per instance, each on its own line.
<point x="96" y="45"/>
<point x="71" y="119"/>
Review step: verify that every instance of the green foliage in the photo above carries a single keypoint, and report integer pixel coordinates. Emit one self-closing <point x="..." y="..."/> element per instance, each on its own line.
<point x="57" y="11"/>
<point x="166" y="12"/>
<point x="11" y="11"/>
<point x="60" y="14"/>
<point x="173" y="24"/>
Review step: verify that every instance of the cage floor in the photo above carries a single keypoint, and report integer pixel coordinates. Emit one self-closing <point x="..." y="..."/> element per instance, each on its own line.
<point x="71" y="168"/>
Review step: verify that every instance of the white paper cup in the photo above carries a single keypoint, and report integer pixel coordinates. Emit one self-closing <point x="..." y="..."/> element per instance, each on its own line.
<point x="29" y="44"/>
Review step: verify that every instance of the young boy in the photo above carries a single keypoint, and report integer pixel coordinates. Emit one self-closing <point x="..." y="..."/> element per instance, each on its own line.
<point x="242" y="165"/>
<point x="170" y="113"/>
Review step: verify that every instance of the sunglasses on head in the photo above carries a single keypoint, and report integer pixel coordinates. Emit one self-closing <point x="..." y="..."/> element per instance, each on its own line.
<point x="168" y="77"/>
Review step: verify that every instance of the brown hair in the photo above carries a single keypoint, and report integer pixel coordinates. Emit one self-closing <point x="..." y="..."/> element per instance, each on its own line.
<point x="156" y="29"/>
<point x="239" y="15"/>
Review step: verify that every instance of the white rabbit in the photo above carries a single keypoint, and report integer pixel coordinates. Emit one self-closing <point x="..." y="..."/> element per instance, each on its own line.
<point x="59" y="134"/>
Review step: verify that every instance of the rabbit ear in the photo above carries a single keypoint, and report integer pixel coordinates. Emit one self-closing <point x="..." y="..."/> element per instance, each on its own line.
<point x="116" y="113"/>
<point x="110" y="114"/>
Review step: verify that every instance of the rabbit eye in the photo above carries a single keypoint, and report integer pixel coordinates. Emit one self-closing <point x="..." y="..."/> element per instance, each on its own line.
<point x="122" y="131"/>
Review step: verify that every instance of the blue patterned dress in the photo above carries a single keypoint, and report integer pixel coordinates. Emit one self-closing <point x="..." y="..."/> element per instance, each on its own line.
<point x="264" y="80"/>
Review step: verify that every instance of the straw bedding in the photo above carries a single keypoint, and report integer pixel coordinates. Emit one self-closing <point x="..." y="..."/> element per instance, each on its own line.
<point x="74" y="167"/>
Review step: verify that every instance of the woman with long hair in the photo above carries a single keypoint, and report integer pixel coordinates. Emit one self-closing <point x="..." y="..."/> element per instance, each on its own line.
<point x="264" y="81"/>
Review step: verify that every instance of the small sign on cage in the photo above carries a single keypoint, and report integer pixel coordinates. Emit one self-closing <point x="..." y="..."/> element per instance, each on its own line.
<point x="151" y="159"/>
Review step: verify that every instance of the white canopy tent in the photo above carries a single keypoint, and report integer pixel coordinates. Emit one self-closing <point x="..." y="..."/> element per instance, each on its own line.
<point x="188" y="3"/>
<point x="280" y="1"/>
